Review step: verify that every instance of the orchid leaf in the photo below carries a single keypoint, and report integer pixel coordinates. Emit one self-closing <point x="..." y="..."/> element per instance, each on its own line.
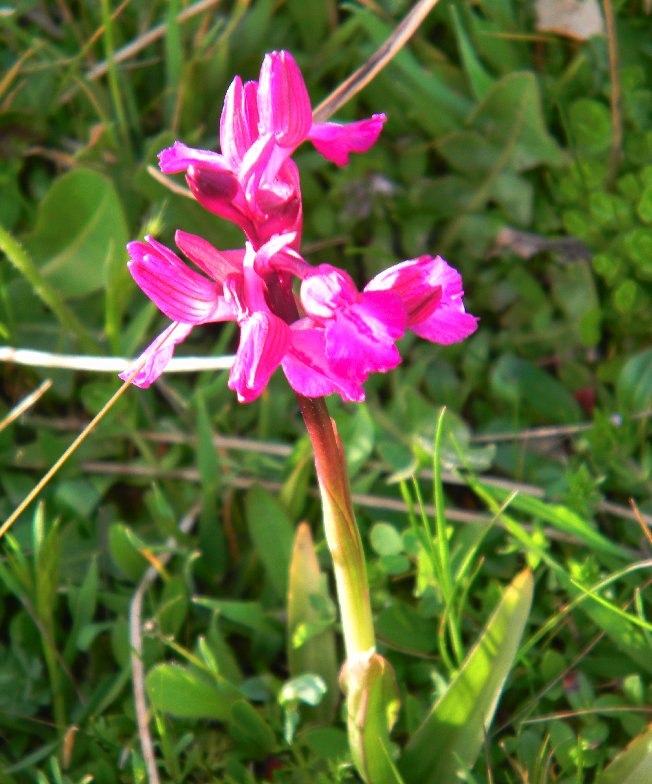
<point x="451" y="736"/>
<point x="311" y="640"/>
<point x="372" y="708"/>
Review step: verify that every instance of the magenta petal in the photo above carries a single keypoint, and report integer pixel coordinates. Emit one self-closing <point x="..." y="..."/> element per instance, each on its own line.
<point x="239" y="121"/>
<point x="157" y="355"/>
<point x="178" y="157"/>
<point x="447" y="325"/>
<point x="220" y="192"/>
<point x="283" y="100"/>
<point x="431" y="292"/>
<point x="309" y="372"/>
<point x="327" y="290"/>
<point x="335" y="141"/>
<point x="216" y="263"/>
<point x="360" y="338"/>
<point x="264" y="339"/>
<point x="179" y="292"/>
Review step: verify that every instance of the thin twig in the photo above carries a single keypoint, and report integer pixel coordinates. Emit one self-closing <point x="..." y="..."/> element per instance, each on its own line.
<point x="169" y="183"/>
<point x="26" y="403"/>
<point x="92" y="364"/>
<point x="136" y="642"/>
<point x="378" y="60"/>
<point x="277" y="449"/>
<point x="367" y="501"/>
<point x="70" y="450"/>
<point x="615" y="99"/>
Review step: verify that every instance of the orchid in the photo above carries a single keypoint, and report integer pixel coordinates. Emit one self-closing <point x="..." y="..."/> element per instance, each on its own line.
<point x="313" y="322"/>
<point x="330" y="336"/>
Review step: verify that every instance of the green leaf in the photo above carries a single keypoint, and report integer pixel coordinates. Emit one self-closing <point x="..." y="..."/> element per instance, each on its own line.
<point x="631" y="766"/>
<point x="634" y="386"/>
<point x="451" y="736"/>
<point x="173" y="606"/>
<point x="124" y="548"/>
<point x="80" y="234"/>
<point x="190" y="694"/>
<point x="250" y="731"/>
<point x="385" y="539"/>
<point x="312" y="21"/>
<point x="480" y="80"/>
<point x="316" y="654"/>
<point x="271" y="532"/>
<point x="565" y="520"/>
<point x="44" y="289"/>
<point x="250" y="616"/>
<point x="590" y="125"/>
<point x="524" y="385"/>
<point x="211" y="534"/>
<point x="513" y="106"/>
<point x="400" y="625"/>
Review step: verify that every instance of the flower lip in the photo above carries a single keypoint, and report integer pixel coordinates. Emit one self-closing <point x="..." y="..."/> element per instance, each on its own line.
<point x="212" y="184"/>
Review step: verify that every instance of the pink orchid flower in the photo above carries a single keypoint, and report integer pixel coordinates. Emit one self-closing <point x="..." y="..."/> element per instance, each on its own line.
<point x="329" y="338"/>
<point x="361" y="328"/>
<point x="431" y="293"/>
<point x="184" y="295"/>
<point x="253" y="182"/>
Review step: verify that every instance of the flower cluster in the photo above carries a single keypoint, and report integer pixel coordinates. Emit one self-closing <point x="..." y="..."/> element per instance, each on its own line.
<point x="325" y="333"/>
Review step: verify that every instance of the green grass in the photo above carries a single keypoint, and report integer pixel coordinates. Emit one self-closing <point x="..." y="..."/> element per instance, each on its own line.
<point x="541" y="461"/>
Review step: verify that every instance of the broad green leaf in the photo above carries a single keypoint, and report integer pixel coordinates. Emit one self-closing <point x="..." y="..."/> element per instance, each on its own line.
<point x="469" y="152"/>
<point x="80" y="234"/>
<point x="590" y="125"/>
<point x="631" y="766"/>
<point x="124" y="548"/>
<point x="250" y="731"/>
<point x="533" y="390"/>
<point x="173" y="606"/>
<point x="188" y="693"/>
<point x="248" y="615"/>
<point x="385" y="539"/>
<point x="634" y="386"/>
<point x="271" y="532"/>
<point x="372" y="705"/>
<point x="317" y="653"/>
<point x="513" y="106"/>
<point x="451" y="736"/>
<point x="515" y="195"/>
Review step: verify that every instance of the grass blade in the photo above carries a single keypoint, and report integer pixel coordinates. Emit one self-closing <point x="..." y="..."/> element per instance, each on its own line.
<point x="633" y="765"/>
<point x="24" y="264"/>
<point x="452" y="734"/>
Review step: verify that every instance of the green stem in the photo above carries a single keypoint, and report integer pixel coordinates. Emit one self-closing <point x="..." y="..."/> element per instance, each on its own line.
<point x="341" y="530"/>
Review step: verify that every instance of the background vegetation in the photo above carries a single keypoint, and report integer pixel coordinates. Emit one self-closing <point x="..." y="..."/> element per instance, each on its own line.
<point x="495" y="128"/>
